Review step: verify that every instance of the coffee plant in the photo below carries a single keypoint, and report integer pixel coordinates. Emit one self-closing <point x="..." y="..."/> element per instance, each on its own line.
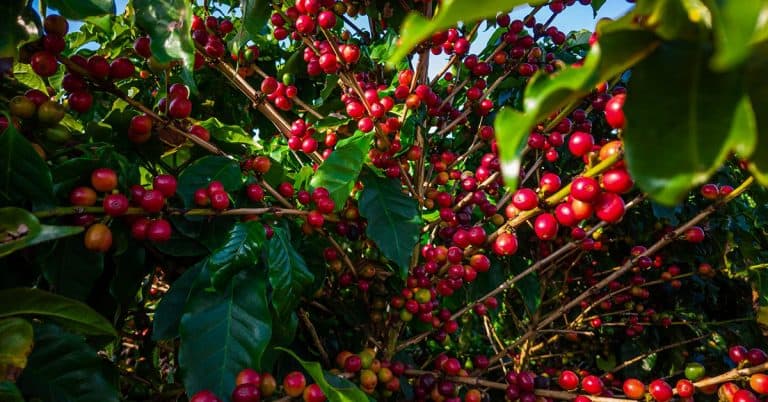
<point x="282" y="200"/>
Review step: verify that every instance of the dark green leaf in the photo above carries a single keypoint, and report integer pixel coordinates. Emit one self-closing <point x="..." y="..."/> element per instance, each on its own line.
<point x="735" y="24"/>
<point x="691" y="120"/>
<point x="24" y="176"/>
<point x="165" y="324"/>
<point x="288" y="273"/>
<point x="393" y="219"/>
<point x="224" y="332"/>
<point x="131" y="268"/>
<point x="530" y="290"/>
<point x="757" y="88"/>
<point x="15" y="346"/>
<point x="205" y="170"/>
<point x="168" y="23"/>
<point x="9" y="392"/>
<point x="255" y="15"/>
<point x="20" y="24"/>
<point x="241" y="250"/>
<point x="335" y="388"/>
<point x="79" y="9"/>
<point x="596" y="5"/>
<point x="62" y="367"/>
<point x="70" y="268"/>
<point x="20" y="229"/>
<point x="416" y="28"/>
<point x="339" y="172"/>
<point x="71" y="314"/>
<point x="511" y="144"/>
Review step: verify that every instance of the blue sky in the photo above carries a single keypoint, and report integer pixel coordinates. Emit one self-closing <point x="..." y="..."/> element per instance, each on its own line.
<point x="573" y="18"/>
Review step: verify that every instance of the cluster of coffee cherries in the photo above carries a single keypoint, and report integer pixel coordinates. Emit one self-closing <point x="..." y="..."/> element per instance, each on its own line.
<point x="323" y="58"/>
<point x="98" y="237"/>
<point x="714" y="191"/>
<point x="303" y="19"/>
<point x="373" y="375"/>
<point x="210" y="33"/>
<point x="252" y="386"/>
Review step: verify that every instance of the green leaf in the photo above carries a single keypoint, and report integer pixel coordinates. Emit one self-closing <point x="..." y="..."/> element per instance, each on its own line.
<point x="596" y="5"/>
<point x="511" y="143"/>
<point x="335" y="388"/>
<point x="62" y="367"/>
<point x="621" y="45"/>
<point x="131" y="268"/>
<point x="15" y="346"/>
<point x="530" y="290"/>
<point x="677" y="141"/>
<point x="71" y="314"/>
<point x="416" y="28"/>
<point x="70" y="268"/>
<point x="735" y="24"/>
<point x="24" y="176"/>
<point x="393" y="219"/>
<point x="339" y="172"/>
<point x="165" y="324"/>
<point x="25" y="75"/>
<point x="227" y="133"/>
<point x="19" y="229"/>
<point x="20" y="24"/>
<point x="224" y="332"/>
<point x="303" y="176"/>
<point x="168" y="23"/>
<point x="79" y="9"/>
<point x="757" y="88"/>
<point x="288" y="273"/>
<point x="241" y="250"/>
<point x="255" y="15"/>
<point x="205" y="170"/>
<point x="9" y="392"/>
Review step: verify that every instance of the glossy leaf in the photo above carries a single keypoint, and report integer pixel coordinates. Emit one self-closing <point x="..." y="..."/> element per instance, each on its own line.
<point x="70" y="268"/>
<point x="205" y="170"/>
<point x="20" y="24"/>
<point x="288" y="273"/>
<point x="335" y="388"/>
<point x="131" y="268"/>
<point x="227" y="133"/>
<point x="25" y="75"/>
<point x="71" y="314"/>
<point x="393" y="219"/>
<point x="79" y="9"/>
<point x="9" y="392"/>
<point x="19" y="229"/>
<point x="168" y="23"/>
<point x="596" y="6"/>
<point x="514" y="141"/>
<point x="165" y="324"/>
<point x="735" y="24"/>
<point x="62" y="367"/>
<point x="255" y="15"/>
<point x="224" y="332"/>
<point x="339" y="172"/>
<point x="691" y="121"/>
<point x="15" y="346"/>
<point x="24" y="176"/>
<point x="241" y="250"/>
<point x="416" y="28"/>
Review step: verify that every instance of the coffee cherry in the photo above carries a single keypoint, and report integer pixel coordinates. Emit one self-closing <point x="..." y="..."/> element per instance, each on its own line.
<point x="44" y="63"/>
<point x="159" y="230"/>
<point x="180" y="108"/>
<point x="326" y="19"/>
<point x="204" y="396"/>
<point x="633" y="388"/>
<point x="166" y="184"/>
<point x="592" y="385"/>
<point x="115" y="204"/>
<point x="568" y="380"/>
<point x="737" y="353"/>
<point x="614" y="114"/>
<point x="50" y="113"/>
<point x="545" y="226"/>
<point x="285" y="189"/>
<point x="268" y="382"/>
<point x="246" y="393"/>
<point x="315" y="219"/>
<point x="82" y="196"/>
<point x="98" y="238"/>
<point x="525" y="199"/>
<point x="248" y="376"/>
<point x="313" y="393"/>
<point x="694" y="371"/>
<point x="141" y="47"/>
<point x="200" y="132"/>
<point x="744" y="395"/>
<point x="609" y="207"/>
<point x="684" y="388"/>
<point x="98" y="67"/>
<point x="756" y="356"/>
<point x="141" y="124"/>
<point x="759" y="383"/>
<point x="22" y="107"/>
<point x="139" y="228"/>
<point x="580" y="143"/>
<point x="694" y="234"/>
<point x="505" y="244"/>
<point x="294" y="383"/>
<point x="660" y="390"/>
<point x="80" y="101"/>
<point x="255" y="193"/>
<point x="585" y="189"/>
<point x="104" y="179"/>
<point x="121" y="68"/>
<point x="617" y="181"/>
<point x="261" y="164"/>
<point x="550" y="182"/>
<point x="219" y="200"/>
<point x="56" y="25"/>
<point x="152" y="201"/>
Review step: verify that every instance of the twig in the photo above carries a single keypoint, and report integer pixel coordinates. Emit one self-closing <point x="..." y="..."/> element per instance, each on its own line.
<point x="304" y="317"/>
